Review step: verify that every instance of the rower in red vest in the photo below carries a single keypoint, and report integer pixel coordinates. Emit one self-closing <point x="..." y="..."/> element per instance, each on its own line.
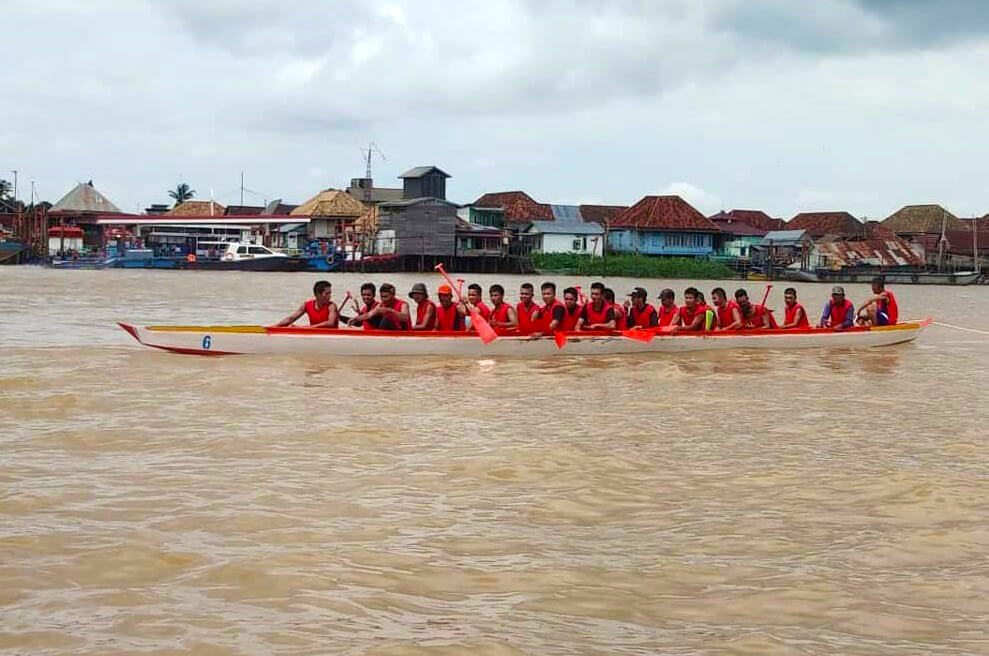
<point x="448" y="317"/>
<point x="394" y="313"/>
<point x="367" y="317"/>
<point x="729" y="315"/>
<point x="691" y="313"/>
<point x="598" y="314"/>
<point x="552" y="313"/>
<point x="621" y="320"/>
<point x="669" y="313"/>
<point x="526" y="311"/>
<point x="640" y="313"/>
<point x="796" y="315"/>
<point x="502" y="314"/>
<point x="322" y="312"/>
<point x="572" y="308"/>
<point x="425" y="308"/>
<point x="881" y="308"/>
<point x="754" y="317"/>
<point x="839" y="313"/>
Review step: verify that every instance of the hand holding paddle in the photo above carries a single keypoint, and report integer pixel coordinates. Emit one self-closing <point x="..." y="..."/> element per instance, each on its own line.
<point x="484" y="329"/>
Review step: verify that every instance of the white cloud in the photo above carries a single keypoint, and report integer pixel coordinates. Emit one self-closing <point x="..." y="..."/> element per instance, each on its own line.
<point x="760" y="105"/>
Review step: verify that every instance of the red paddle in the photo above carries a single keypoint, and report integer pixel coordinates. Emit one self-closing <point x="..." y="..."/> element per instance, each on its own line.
<point x="766" y="296"/>
<point x="484" y="329"/>
<point x="560" y="339"/>
<point x="460" y="286"/>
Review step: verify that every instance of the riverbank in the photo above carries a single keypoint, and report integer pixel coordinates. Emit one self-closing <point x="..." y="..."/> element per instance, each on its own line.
<point x="632" y="266"/>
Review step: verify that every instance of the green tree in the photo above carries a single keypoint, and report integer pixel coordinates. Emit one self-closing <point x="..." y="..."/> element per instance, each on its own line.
<point x="181" y="193"/>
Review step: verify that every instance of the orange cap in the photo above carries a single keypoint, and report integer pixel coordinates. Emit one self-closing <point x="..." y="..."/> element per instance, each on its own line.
<point x="444" y="289"/>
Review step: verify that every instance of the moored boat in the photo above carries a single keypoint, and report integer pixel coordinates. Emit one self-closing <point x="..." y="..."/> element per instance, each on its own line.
<point x="239" y="340"/>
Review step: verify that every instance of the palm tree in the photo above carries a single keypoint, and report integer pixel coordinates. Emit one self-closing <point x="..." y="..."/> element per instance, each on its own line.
<point x="181" y="193"/>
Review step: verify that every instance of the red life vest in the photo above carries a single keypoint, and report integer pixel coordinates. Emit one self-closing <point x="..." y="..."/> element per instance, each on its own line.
<point x="483" y="309"/>
<point x="839" y="314"/>
<point x="500" y="313"/>
<point x="421" y="310"/>
<point x="387" y="323"/>
<point x="892" y="309"/>
<point x="318" y="316"/>
<point x="621" y="320"/>
<point x="640" y="318"/>
<point x="377" y="320"/>
<point x="666" y="316"/>
<point x="687" y="317"/>
<point x="546" y="316"/>
<point x="755" y="321"/>
<point x="448" y="319"/>
<point x="725" y="318"/>
<point x="524" y="314"/>
<point x="592" y="316"/>
<point x="791" y="313"/>
<point x="570" y="318"/>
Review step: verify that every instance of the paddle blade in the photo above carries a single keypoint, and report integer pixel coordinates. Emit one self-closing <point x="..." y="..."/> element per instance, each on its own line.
<point x="560" y="339"/>
<point x="483" y="328"/>
<point x="638" y="335"/>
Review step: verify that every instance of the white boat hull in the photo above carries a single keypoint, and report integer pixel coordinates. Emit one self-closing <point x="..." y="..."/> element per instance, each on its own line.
<point x="236" y="340"/>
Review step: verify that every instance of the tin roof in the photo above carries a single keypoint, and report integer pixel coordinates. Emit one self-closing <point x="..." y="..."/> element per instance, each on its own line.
<point x="84" y="198"/>
<point x="566" y="213"/>
<point x="918" y="219"/>
<point x="419" y="171"/>
<point x="519" y="206"/>
<point x="664" y="213"/>
<point x="784" y="237"/>
<point x="557" y="228"/>
<point x="819" y="224"/>
<point x="874" y="252"/>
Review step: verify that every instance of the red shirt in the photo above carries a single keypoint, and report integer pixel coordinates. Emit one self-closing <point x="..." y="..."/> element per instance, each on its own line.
<point x="448" y="319"/>
<point x="524" y="314"/>
<point x="483" y="309"/>
<point x="687" y="317"/>
<point x="554" y="310"/>
<point x="570" y="318"/>
<point x="621" y="320"/>
<point x="791" y="314"/>
<point x="666" y="316"/>
<point x="592" y="316"/>
<point x="725" y="313"/>
<point x="421" y="310"/>
<point x="317" y="315"/>
<point x="389" y="322"/>
<point x="500" y="313"/>
<point x="647" y="317"/>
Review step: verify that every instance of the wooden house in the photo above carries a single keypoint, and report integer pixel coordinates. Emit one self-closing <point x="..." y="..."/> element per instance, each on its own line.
<point x="662" y="225"/>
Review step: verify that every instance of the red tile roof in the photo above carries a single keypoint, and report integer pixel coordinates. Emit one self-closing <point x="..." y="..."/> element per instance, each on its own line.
<point x="730" y="225"/>
<point x="758" y="219"/>
<point x="818" y="224"/>
<point x="664" y="213"/>
<point x="519" y="206"/>
<point x="601" y="213"/>
<point x="876" y="230"/>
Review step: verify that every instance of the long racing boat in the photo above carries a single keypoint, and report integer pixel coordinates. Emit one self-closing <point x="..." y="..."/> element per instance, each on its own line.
<point x="237" y="340"/>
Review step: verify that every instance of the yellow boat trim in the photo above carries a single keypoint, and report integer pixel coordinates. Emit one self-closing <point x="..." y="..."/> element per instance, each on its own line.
<point x="208" y="329"/>
<point x="899" y="326"/>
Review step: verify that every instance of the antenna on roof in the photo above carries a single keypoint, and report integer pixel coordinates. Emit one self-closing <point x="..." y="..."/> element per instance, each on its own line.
<point x="367" y="152"/>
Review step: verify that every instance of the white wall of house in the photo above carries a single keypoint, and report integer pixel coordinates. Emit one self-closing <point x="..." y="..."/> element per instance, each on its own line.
<point x="567" y="243"/>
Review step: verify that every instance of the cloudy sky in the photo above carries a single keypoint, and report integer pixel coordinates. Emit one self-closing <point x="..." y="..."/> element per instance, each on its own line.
<point x="781" y="105"/>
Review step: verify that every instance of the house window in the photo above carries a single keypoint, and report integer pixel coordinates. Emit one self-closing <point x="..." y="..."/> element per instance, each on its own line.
<point x="576" y="245"/>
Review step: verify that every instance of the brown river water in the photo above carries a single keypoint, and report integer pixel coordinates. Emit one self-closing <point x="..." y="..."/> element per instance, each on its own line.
<point x="814" y="502"/>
